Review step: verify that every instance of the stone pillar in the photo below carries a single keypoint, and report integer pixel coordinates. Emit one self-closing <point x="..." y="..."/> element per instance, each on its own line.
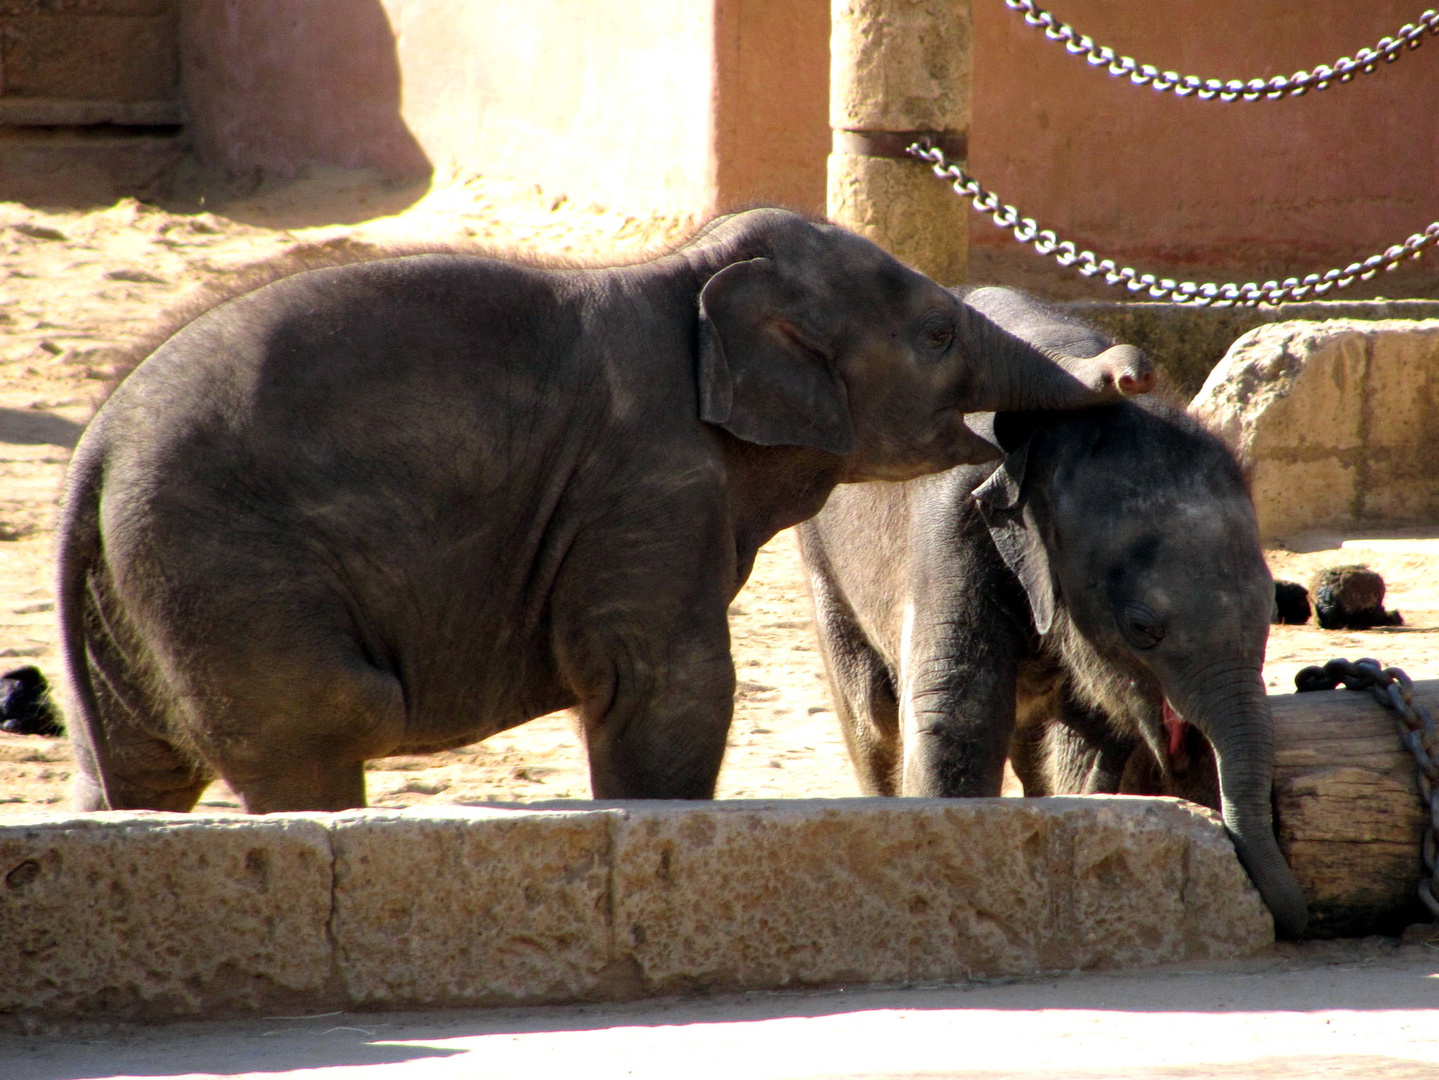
<point x="900" y="69"/>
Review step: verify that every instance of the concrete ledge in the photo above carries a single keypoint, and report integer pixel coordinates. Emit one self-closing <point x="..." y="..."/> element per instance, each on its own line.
<point x="153" y="916"/>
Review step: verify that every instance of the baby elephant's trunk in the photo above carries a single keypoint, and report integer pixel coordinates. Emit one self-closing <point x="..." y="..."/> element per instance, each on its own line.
<point x="1233" y="713"/>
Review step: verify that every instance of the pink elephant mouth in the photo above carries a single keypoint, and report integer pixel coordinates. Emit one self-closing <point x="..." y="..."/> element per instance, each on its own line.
<point x="1175" y="729"/>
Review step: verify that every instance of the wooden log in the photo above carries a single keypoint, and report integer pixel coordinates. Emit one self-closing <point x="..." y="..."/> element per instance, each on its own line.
<point x="1347" y="809"/>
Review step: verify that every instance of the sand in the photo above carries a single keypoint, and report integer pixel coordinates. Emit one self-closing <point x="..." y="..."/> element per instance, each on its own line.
<point x="77" y="287"/>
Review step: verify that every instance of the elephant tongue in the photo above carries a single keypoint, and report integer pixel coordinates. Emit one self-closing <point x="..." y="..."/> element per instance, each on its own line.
<point x="1175" y="727"/>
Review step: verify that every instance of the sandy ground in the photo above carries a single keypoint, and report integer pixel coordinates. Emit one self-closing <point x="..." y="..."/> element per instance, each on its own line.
<point x="76" y="287"/>
<point x="1360" y="1010"/>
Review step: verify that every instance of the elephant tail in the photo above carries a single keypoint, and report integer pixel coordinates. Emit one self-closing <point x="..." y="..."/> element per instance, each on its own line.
<point x="79" y="552"/>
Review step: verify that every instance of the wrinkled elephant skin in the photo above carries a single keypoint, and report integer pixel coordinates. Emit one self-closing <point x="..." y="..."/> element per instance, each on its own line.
<point x="403" y="504"/>
<point x="1098" y="591"/>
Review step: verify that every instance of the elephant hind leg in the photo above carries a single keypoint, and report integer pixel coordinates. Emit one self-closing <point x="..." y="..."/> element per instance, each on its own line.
<point x="117" y="726"/>
<point x="1081" y="753"/>
<point x="136" y="771"/>
<point x="303" y="733"/>
<point x="863" y="688"/>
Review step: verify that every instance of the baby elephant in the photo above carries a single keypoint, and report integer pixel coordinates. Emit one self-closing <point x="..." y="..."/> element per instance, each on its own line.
<point x="1101" y="589"/>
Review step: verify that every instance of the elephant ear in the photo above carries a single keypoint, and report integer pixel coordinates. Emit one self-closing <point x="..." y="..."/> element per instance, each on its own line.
<point x="765" y="369"/>
<point x="1005" y="505"/>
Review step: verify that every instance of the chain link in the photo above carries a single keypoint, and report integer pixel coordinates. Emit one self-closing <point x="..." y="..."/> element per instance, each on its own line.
<point x="1343" y="70"/>
<point x="1206" y="294"/>
<point x="1395" y="691"/>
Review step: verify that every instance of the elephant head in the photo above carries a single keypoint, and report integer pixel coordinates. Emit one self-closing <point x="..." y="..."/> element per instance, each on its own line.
<point x="812" y="336"/>
<point x="1132" y="531"/>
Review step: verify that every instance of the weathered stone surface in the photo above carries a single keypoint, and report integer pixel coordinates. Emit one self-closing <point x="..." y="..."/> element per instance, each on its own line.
<point x="123" y="57"/>
<point x="453" y="905"/>
<point x="86" y="169"/>
<point x="1185" y="341"/>
<point x="157" y="915"/>
<point x="1152" y="880"/>
<point x="1336" y="420"/>
<point x="746" y="895"/>
<point x="900" y="65"/>
<point x="904" y="209"/>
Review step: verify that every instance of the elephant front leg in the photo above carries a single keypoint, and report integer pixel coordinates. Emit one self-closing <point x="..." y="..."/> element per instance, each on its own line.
<point x="657" y="729"/>
<point x="956" y="719"/>
<point x="959" y="662"/>
<point x="643" y="642"/>
<point x="957" y="680"/>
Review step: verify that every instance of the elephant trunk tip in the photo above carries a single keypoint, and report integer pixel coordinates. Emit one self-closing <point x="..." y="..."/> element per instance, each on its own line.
<point x="1134" y="385"/>
<point x="1277" y="888"/>
<point x="1132" y="371"/>
<point x="1291" y="919"/>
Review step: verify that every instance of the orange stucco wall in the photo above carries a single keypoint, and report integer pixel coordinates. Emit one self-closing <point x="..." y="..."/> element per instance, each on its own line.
<point x="1148" y="175"/>
<point x="670" y="106"/>
<point x="693" y="106"/>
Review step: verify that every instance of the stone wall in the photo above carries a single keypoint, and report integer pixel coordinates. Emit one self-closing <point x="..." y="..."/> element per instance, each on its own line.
<point x="89" y="98"/>
<point x="153" y="916"/>
<point x="1335" y="419"/>
<point x="88" y="50"/>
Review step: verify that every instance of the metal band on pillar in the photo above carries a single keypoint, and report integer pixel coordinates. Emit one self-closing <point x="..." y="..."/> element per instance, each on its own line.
<point x="895" y="144"/>
<point x="900" y="72"/>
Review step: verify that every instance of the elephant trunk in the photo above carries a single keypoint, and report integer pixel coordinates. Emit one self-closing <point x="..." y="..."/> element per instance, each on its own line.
<point x="1015" y="376"/>
<point x="1232" y="712"/>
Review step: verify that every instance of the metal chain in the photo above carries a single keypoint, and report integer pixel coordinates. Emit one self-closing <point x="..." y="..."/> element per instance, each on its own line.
<point x="1206" y="294"/>
<point x="1343" y="70"/>
<point x="1395" y="691"/>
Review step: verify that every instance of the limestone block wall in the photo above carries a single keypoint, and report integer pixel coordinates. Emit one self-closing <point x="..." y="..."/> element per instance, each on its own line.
<point x="1336" y="419"/>
<point x="154" y="916"/>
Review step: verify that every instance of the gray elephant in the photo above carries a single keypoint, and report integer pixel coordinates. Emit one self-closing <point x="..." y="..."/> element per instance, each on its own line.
<point x="400" y="505"/>
<point x="1103" y="587"/>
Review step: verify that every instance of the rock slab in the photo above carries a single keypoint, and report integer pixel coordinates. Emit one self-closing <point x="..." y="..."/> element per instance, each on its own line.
<point x="153" y="916"/>
<point x="1336" y="419"/>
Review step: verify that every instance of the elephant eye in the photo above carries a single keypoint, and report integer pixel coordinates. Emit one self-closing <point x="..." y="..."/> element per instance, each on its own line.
<point x="936" y="332"/>
<point x="1139" y="624"/>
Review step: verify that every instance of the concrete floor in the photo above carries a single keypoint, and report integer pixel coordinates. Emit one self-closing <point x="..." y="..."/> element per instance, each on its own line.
<point x="1349" y="1009"/>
